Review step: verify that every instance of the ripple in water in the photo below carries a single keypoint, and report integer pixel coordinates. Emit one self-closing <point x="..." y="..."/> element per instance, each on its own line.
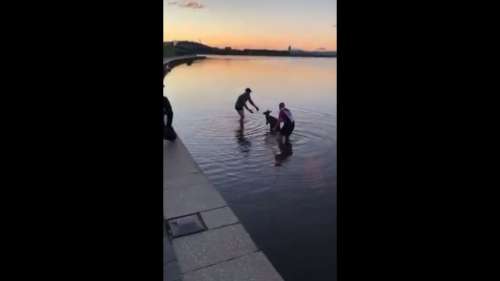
<point x="227" y="152"/>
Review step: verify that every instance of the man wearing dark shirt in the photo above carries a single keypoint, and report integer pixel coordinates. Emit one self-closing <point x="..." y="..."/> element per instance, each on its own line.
<point x="168" y="131"/>
<point x="167" y="110"/>
<point x="242" y="102"/>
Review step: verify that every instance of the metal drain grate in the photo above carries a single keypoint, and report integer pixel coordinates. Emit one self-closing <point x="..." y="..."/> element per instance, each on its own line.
<point x="186" y="225"/>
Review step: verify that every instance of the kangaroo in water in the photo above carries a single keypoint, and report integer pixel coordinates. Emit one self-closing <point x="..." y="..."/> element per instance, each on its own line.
<point x="271" y="121"/>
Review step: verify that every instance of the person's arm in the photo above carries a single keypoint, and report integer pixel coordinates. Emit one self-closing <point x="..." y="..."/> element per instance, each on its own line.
<point x="245" y="105"/>
<point x="277" y="126"/>
<point x="251" y="102"/>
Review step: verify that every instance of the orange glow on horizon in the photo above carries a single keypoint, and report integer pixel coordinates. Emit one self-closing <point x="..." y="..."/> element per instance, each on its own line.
<point x="261" y="42"/>
<point x="306" y="25"/>
<point x="248" y="43"/>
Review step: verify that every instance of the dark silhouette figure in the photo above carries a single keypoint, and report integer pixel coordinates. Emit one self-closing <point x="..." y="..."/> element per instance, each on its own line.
<point x="242" y="102"/>
<point x="167" y="107"/>
<point x="169" y="132"/>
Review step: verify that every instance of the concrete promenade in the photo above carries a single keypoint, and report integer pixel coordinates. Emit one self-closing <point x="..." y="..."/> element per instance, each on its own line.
<point x="177" y="60"/>
<point x="205" y="241"/>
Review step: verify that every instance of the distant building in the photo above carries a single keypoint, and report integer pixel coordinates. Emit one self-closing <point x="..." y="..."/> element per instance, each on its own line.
<point x="296" y="51"/>
<point x="227" y="48"/>
<point x="290" y="49"/>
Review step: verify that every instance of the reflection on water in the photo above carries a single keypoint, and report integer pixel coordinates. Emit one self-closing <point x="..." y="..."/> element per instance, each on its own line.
<point x="285" y="152"/>
<point x="242" y="140"/>
<point x="284" y="195"/>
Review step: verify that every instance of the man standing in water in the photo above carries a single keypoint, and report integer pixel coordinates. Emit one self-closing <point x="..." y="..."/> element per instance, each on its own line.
<point x="242" y="102"/>
<point x="286" y="117"/>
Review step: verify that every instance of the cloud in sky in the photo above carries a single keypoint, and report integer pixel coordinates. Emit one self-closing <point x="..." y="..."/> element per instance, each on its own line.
<point x="187" y="4"/>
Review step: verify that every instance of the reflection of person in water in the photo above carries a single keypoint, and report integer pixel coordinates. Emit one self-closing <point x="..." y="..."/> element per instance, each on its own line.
<point x="285" y="152"/>
<point x="243" y="142"/>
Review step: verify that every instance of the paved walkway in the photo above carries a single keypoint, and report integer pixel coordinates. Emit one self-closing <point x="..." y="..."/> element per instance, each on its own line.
<point x="224" y="251"/>
<point x="170" y="59"/>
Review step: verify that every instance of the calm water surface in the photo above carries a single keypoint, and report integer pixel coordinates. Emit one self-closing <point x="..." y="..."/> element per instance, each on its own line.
<point x="288" y="205"/>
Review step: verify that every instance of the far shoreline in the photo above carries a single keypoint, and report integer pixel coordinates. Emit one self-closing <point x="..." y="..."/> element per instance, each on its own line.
<point x="204" y="56"/>
<point x="273" y="56"/>
<point x="170" y="62"/>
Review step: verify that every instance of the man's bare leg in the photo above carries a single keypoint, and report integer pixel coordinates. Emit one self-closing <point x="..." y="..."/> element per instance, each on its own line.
<point x="242" y="114"/>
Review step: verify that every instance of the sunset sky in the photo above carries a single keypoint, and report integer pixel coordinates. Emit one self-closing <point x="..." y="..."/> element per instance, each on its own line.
<point x="271" y="24"/>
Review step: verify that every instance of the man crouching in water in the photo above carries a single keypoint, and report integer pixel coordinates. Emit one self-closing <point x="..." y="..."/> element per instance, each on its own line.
<point x="286" y="117"/>
<point x="242" y="102"/>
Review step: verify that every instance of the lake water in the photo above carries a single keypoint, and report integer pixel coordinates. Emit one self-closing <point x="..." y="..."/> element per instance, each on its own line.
<point x="287" y="204"/>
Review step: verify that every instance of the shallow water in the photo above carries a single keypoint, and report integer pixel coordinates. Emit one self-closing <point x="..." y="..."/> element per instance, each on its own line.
<point x="284" y="196"/>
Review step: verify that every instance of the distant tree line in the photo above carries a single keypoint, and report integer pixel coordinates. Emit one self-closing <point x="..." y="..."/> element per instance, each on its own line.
<point x="180" y="48"/>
